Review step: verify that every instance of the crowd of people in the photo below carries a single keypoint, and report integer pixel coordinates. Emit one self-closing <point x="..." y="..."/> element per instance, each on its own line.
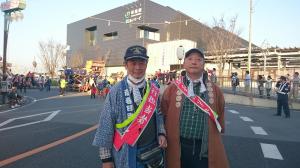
<point x="285" y="88"/>
<point x="97" y="85"/>
<point x="266" y="86"/>
<point x="20" y="83"/>
<point x="165" y="77"/>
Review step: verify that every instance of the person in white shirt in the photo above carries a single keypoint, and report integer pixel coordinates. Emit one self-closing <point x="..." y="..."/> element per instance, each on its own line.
<point x="268" y="86"/>
<point x="247" y="81"/>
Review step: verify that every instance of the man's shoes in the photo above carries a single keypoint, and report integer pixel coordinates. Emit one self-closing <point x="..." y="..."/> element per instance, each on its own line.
<point x="276" y="115"/>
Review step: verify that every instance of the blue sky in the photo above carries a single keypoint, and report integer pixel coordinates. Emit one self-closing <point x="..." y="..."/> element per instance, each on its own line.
<point x="275" y="22"/>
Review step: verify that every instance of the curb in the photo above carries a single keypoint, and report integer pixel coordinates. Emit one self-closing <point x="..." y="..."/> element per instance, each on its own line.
<point x="257" y="102"/>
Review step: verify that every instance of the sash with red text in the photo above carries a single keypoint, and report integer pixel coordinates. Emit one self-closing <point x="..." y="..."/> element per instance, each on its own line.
<point x="136" y="128"/>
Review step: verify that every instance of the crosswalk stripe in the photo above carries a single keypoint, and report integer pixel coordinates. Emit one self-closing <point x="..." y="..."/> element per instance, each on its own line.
<point x="271" y="151"/>
<point x="234" y="111"/>
<point x="246" y="119"/>
<point x="51" y="116"/>
<point x="259" y="130"/>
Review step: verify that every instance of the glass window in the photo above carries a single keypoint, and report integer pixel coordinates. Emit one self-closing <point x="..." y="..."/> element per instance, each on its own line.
<point x="110" y="36"/>
<point x="91" y="35"/>
<point x="149" y="33"/>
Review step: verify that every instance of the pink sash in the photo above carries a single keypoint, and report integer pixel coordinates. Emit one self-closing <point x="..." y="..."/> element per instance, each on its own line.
<point x="136" y="128"/>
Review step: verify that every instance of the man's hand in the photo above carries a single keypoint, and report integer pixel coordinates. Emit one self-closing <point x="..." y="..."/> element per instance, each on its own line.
<point x="162" y="141"/>
<point x="108" y="165"/>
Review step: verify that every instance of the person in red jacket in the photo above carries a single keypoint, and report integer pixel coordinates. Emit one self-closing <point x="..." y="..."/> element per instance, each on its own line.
<point x="194" y="115"/>
<point x="93" y="91"/>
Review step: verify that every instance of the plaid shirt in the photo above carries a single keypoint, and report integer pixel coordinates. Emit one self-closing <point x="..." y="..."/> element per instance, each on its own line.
<point x="192" y="119"/>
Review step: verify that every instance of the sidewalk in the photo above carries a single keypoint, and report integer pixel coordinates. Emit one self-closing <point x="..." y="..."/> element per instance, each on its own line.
<point x="258" y="102"/>
<point x="4" y="107"/>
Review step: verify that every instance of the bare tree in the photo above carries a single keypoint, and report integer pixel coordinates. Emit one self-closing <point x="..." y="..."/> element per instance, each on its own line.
<point x="223" y="40"/>
<point x="51" y="53"/>
<point x="76" y="61"/>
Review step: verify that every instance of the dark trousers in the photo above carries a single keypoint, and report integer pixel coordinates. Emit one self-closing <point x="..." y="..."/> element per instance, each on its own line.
<point x="190" y="154"/>
<point x="48" y="88"/>
<point x="268" y="93"/>
<point x="261" y="91"/>
<point x="62" y="91"/>
<point x="282" y="102"/>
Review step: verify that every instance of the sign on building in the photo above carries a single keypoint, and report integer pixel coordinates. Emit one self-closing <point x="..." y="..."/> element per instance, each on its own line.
<point x="133" y="15"/>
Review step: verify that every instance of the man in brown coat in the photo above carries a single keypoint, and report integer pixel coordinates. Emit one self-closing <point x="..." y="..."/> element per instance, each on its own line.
<point x="193" y="128"/>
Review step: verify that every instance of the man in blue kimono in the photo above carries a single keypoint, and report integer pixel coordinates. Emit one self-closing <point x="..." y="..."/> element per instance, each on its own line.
<point x="131" y="131"/>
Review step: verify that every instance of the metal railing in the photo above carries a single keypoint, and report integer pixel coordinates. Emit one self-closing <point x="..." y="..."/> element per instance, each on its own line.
<point x="226" y="85"/>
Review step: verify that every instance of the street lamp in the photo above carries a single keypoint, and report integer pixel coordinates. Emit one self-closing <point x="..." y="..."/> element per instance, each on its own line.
<point x="12" y="12"/>
<point x="34" y="64"/>
<point x="180" y="54"/>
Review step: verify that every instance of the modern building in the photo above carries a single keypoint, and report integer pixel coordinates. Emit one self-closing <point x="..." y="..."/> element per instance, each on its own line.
<point x="160" y="29"/>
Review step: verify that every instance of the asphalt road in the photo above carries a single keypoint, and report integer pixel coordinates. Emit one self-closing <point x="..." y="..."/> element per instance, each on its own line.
<point x="254" y="138"/>
<point x="71" y="114"/>
<point x="56" y="131"/>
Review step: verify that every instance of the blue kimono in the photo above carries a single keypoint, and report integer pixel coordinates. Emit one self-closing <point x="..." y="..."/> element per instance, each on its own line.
<point x="116" y="111"/>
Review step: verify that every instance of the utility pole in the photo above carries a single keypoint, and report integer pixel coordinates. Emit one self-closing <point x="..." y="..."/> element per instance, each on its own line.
<point x="144" y="15"/>
<point x="5" y="37"/>
<point x="250" y="43"/>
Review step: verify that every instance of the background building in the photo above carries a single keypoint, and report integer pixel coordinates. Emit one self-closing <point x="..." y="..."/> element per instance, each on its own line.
<point x="160" y="29"/>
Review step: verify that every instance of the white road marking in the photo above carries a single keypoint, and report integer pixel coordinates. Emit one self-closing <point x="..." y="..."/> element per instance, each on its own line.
<point x="246" y="119"/>
<point x="51" y="116"/>
<point x="20" y="125"/>
<point x="259" y="130"/>
<point x="6" y="122"/>
<point x="234" y="111"/>
<point x="271" y="151"/>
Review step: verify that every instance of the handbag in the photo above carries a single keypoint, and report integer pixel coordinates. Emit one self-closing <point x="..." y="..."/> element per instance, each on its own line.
<point x="152" y="158"/>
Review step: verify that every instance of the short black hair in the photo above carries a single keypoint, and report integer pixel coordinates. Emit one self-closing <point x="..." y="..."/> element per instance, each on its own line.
<point x="283" y="78"/>
<point x="183" y="73"/>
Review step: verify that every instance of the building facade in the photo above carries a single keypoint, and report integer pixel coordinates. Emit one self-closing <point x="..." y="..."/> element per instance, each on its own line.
<point x="160" y="29"/>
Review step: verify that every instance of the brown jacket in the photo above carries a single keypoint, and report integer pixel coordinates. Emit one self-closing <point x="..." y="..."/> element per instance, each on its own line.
<point x="171" y="105"/>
